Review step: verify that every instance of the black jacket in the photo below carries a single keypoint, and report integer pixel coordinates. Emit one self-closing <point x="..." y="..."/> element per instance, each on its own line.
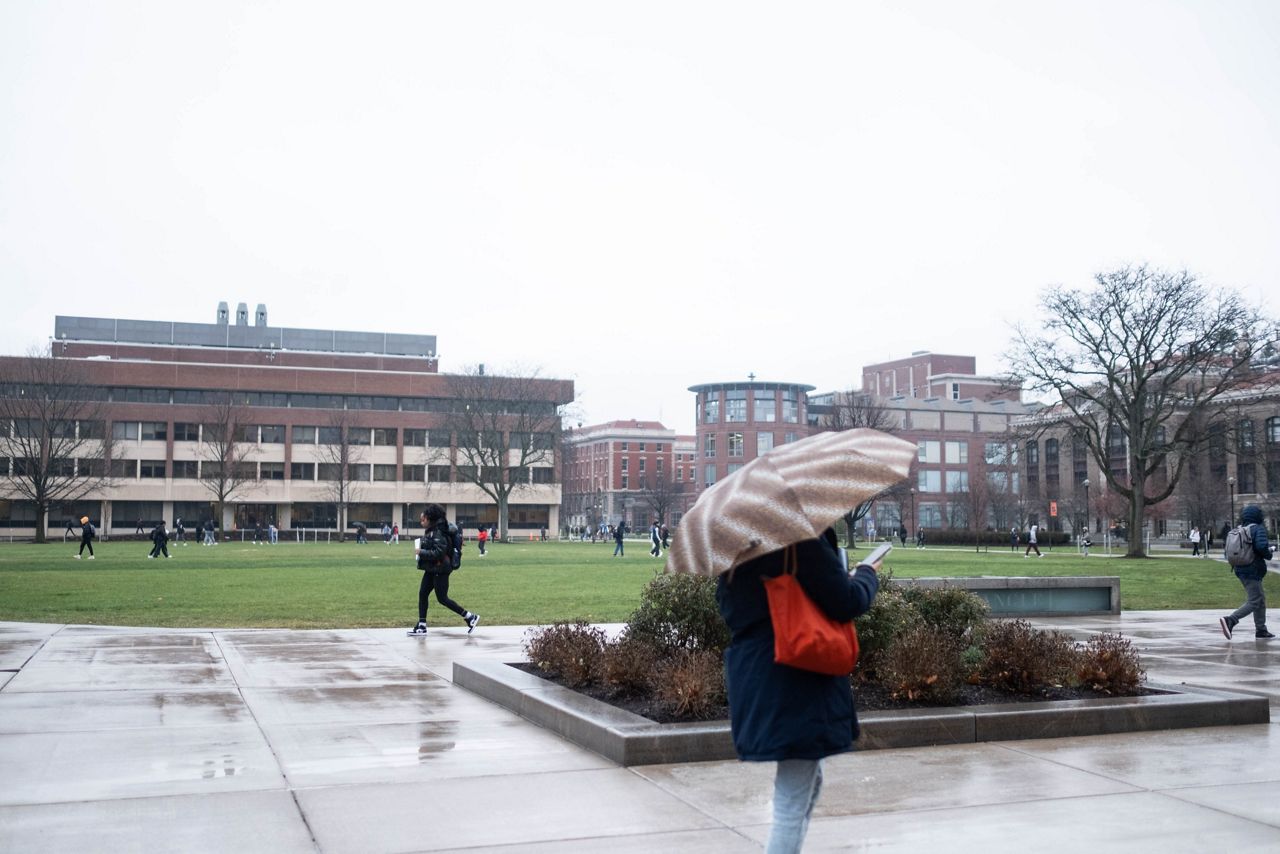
<point x="779" y="712"/>
<point x="433" y="552"/>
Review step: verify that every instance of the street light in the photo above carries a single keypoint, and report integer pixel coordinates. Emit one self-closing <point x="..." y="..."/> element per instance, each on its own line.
<point x="914" y="523"/>
<point x="1087" y="524"/>
<point x="1231" y="482"/>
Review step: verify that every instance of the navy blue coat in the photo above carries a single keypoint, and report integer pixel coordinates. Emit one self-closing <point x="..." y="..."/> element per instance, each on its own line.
<point x="1252" y="515"/>
<point x="779" y="712"/>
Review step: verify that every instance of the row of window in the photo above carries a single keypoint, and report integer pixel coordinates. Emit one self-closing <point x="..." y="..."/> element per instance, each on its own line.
<point x="274" y="434"/>
<point x="327" y="472"/>
<point x="764" y="407"/>
<point x="294" y="400"/>
<point x="735" y="444"/>
<point x="933" y="480"/>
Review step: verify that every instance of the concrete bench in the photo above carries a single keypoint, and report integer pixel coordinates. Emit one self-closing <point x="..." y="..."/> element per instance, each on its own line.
<point x="1023" y="596"/>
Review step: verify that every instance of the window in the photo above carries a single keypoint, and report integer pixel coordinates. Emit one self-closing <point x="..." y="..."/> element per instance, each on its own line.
<point x="185" y="432"/>
<point x="641" y="470"/>
<point x="414" y="474"/>
<point x="358" y="472"/>
<point x="358" y="435"/>
<point x="543" y="474"/>
<point x="735" y="405"/>
<point x="766" y="406"/>
<point x="626" y="481"/>
<point x="928" y="515"/>
<point x="92" y="429"/>
<point x="958" y="453"/>
<point x="438" y="474"/>
<point x="709" y="445"/>
<point x="328" y="471"/>
<point x="1244" y="440"/>
<point x="272" y="434"/>
<point x="1273" y="430"/>
<point x="249" y="433"/>
<point x="929" y="451"/>
<point x="764" y="443"/>
<point x="154" y="431"/>
<point x="124" y="430"/>
<point x="1246" y="477"/>
<point x="1033" y="453"/>
<point x="788" y="438"/>
<point x="732" y="467"/>
<point x="152" y="468"/>
<point x="957" y="481"/>
<point x="304" y="435"/>
<point x="929" y="480"/>
<point x="735" y="444"/>
<point x="384" y="472"/>
<point x="1051" y="452"/>
<point x="329" y="435"/>
<point x="625" y="463"/>
<point x="271" y="471"/>
<point x="709" y="474"/>
<point x="642" y="446"/>
<point x="438" y="438"/>
<point x="384" y="436"/>
<point x="679" y="475"/>
<point x="185" y="470"/>
<point x="302" y="471"/>
<point x="712" y="410"/>
<point x="790" y="407"/>
<point x="626" y="446"/>
<point x="124" y="468"/>
<point x="955" y="391"/>
<point x="415" y="437"/>
<point x="995" y="453"/>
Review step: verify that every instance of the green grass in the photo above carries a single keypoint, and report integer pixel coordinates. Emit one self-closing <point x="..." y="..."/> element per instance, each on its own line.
<point x="337" y="586"/>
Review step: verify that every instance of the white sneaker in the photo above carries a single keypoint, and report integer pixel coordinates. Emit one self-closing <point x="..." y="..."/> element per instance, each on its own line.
<point x="77" y="557"/>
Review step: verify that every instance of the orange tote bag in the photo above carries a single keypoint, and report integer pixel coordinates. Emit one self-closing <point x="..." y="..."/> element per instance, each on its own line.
<point x="804" y="637"/>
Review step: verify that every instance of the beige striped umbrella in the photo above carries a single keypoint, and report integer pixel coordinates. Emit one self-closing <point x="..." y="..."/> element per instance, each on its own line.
<point x="791" y="494"/>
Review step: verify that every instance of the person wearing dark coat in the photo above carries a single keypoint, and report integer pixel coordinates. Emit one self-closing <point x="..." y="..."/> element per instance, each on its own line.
<point x="779" y="713"/>
<point x="160" y="541"/>
<point x="1251" y="576"/>
<point x="618" y="550"/>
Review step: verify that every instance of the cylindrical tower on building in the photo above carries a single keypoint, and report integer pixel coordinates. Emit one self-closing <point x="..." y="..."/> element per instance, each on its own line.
<point x="739" y="421"/>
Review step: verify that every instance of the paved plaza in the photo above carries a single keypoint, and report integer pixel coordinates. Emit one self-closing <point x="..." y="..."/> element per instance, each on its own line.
<point x="153" y="740"/>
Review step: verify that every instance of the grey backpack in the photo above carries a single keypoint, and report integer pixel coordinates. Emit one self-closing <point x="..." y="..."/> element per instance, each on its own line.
<point x="1238" y="548"/>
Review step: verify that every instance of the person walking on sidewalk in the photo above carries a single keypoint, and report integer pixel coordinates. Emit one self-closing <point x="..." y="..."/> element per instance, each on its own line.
<point x="617" y="539"/>
<point x="1032" y="542"/>
<point x="655" y="540"/>
<point x="1251" y="576"/>
<point x="434" y="553"/>
<point x="1195" y="542"/>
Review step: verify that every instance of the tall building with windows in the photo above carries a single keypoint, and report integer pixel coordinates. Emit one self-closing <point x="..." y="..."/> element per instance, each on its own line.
<point x="739" y="421"/>
<point x="625" y="471"/>
<point x="161" y="381"/>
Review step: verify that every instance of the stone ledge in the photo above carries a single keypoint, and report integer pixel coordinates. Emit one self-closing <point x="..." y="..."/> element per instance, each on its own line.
<point x="629" y="739"/>
<point x="1035" y="596"/>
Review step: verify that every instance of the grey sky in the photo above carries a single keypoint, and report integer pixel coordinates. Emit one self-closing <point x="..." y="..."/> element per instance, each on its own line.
<point x="640" y="197"/>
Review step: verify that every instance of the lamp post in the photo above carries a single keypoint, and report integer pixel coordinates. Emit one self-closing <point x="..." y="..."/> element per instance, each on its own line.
<point x="1087" y="523"/>
<point x="914" y="523"/>
<point x="1231" y="484"/>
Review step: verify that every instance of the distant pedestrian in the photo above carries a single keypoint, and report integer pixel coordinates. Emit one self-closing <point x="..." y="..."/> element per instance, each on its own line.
<point x="159" y="540"/>
<point x="1250" y="576"/>
<point x="257" y="533"/>
<point x="70" y="532"/>
<point x="666" y="538"/>
<point x="482" y="538"/>
<point x="138" y="528"/>
<point x="1195" y="542"/>
<point x="395" y="533"/>
<point x="86" y="537"/>
<point x="386" y="534"/>
<point x="617" y="539"/>
<point x="919" y="538"/>
<point x="362" y="531"/>
<point x="902" y="534"/>
<point x="273" y="533"/>
<point x="1013" y="538"/>
<point x="179" y="531"/>
<point x="493" y="533"/>
<point x="542" y="534"/>
<point x="1085" y="542"/>
<point x="1032" y="542"/>
<point x="210" y="538"/>
<point x="655" y="540"/>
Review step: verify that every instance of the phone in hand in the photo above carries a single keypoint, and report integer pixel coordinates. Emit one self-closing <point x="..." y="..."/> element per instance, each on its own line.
<point x="877" y="554"/>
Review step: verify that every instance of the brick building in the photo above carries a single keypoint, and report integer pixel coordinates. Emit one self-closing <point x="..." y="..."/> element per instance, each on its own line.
<point x="159" y="380"/>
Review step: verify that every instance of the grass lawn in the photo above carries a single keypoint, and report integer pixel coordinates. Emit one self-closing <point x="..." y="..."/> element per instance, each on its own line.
<point x="336" y="586"/>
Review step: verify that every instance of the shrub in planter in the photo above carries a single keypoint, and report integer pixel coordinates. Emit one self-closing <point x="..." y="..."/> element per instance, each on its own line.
<point x="690" y="683"/>
<point x="627" y="667"/>
<point x="1018" y="657"/>
<point x="952" y="610"/>
<point x="888" y="618"/>
<point x="924" y="664"/>
<point x="1109" y="664"/>
<point x="679" y="612"/>
<point x="569" y="651"/>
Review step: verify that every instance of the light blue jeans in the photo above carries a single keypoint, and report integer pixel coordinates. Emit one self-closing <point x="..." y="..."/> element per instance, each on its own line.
<point x="795" y="792"/>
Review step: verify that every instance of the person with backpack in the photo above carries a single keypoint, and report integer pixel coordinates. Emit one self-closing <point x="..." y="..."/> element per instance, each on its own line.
<point x="438" y="553"/>
<point x="1247" y="551"/>
<point x="159" y="540"/>
<point x="86" y="537"/>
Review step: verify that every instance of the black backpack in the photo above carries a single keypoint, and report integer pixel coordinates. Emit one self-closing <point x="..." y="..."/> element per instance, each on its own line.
<point x="455" y="554"/>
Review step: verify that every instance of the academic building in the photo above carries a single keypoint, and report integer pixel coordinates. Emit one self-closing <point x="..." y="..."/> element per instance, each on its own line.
<point x="160" y="380"/>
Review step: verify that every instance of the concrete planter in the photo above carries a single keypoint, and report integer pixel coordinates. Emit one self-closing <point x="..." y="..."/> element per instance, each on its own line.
<point x="629" y="739"/>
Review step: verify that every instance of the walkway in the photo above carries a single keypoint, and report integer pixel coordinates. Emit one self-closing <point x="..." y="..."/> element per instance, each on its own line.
<point x="356" y="741"/>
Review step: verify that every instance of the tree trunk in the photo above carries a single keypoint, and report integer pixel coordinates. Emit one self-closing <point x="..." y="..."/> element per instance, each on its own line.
<point x="1136" y="547"/>
<point x="42" y="515"/>
<point x="503" y="513"/>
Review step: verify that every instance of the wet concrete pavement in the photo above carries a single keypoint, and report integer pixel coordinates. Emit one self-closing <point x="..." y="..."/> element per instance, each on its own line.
<point x="115" y="739"/>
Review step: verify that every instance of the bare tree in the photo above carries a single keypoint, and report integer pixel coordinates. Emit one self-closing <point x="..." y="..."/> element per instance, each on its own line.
<point x="505" y="428"/>
<point x="852" y="409"/>
<point x="1135" y="360"/>
<point x="53" y="431"/>
<point x="226" y="458"/>
<point x="660" y="492"/>
<point x="340" y="454"/>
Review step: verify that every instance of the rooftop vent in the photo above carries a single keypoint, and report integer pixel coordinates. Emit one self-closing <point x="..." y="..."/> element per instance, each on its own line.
<point x="261" y="316"/>
<point x="222" y="314"/>
<point x="242" y="315"/>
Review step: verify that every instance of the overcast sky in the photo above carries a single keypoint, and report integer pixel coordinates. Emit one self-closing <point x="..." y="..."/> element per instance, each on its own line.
<point x="640" y="197"/>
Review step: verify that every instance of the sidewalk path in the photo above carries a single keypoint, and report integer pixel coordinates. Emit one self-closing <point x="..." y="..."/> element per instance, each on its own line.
<point x="154" y="740"/>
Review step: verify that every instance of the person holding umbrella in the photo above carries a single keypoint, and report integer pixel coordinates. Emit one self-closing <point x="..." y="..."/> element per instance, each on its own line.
<point x="744" y="533"/>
